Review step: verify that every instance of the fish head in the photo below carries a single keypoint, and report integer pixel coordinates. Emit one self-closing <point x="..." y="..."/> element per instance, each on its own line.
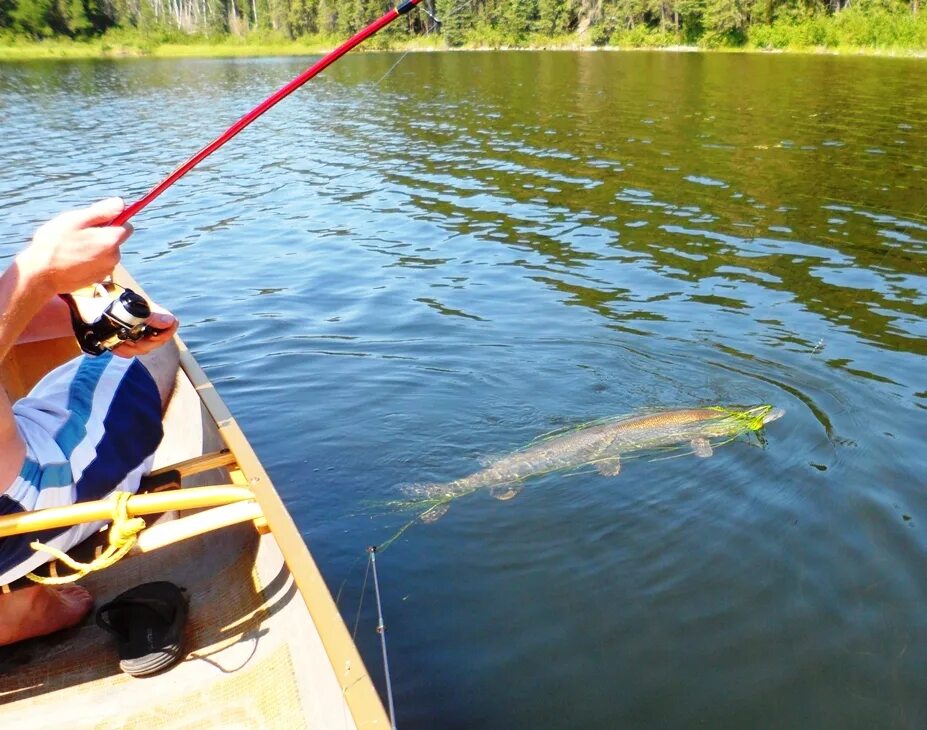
<point x="774" y="414"/>
<point x="758" y="416"/>
<point x="752" y="418"/>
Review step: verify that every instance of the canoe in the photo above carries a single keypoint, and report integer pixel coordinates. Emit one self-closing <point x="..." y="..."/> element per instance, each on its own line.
<point x="265" y="644"/>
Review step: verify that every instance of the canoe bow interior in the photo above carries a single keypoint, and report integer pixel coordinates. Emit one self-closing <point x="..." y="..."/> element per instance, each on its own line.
<point x="266" y="646"/>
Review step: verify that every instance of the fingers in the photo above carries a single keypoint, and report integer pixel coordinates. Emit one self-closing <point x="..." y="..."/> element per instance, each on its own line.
<point x="97" y="214"/>
<point x="76" y="248"/>
<point x="109" y="236"/>
<point x="102" y="247"/>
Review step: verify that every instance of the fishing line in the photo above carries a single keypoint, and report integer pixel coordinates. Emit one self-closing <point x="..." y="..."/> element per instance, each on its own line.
<point x="381" y="630"/>
<point x="345" y="579"/>
<point x="435" y="24"/>
<point x="284" y="91"/>
<point x="408" y="50"/>
<point x="360" y="603"/>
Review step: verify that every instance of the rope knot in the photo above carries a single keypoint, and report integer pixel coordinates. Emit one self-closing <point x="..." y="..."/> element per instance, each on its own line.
<point x="123" y="534"/>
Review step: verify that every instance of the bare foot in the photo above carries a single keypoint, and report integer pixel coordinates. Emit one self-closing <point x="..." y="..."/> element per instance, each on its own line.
<point x="40" y="610"/>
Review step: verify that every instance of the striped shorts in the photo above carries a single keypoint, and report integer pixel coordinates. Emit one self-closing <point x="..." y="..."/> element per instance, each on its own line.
<point x="90" y="428"/>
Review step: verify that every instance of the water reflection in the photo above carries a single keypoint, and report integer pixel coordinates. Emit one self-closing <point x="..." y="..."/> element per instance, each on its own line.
<point x="416" y="274"/>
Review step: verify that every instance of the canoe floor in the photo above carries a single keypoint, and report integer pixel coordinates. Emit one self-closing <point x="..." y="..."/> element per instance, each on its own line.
<point x="254" y="657"/>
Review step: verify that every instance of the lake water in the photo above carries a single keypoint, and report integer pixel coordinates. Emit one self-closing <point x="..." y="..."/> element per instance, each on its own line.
<point x="390" y="281"/>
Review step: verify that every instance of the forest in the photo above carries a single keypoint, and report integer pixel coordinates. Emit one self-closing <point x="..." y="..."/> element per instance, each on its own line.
<point x="481" y="23"/>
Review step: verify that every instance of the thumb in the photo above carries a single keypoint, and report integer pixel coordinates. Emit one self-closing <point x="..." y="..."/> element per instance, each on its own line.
<point x="161" y="320"/>
<point x="99" y="213"/>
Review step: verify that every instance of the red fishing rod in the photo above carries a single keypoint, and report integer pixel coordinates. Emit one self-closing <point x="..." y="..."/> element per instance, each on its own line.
<point x="269" y="102"/>
<point x="109" y="315"/>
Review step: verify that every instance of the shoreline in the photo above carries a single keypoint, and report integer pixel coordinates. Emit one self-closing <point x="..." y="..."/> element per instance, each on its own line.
<point x="101" y="49"/>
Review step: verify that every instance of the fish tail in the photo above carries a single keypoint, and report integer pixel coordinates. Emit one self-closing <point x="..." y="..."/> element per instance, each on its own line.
<point x="433" y="498"/>
<point x="435" y="512"/>
<point x="428" y="490"/>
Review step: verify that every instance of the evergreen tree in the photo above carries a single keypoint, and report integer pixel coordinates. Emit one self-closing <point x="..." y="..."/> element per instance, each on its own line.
<point x="301" y="19"/>
<point x="518" y="18"/>
<point x="726" y="21"/>
<point x="766" y="23"/>
<point x="217" y="21"/>
<point x="455" y="20"/>
<point x="33" y="17"/>
<point x="555" y="17"/>
<point x="327" y="15"/>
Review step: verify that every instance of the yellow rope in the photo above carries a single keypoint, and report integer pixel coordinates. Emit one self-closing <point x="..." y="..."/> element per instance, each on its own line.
<point x="122" y="536"/>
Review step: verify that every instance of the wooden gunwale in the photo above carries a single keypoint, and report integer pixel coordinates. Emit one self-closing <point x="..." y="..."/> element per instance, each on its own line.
<point x="245" y="470"/>
<point x="357" y="687"/>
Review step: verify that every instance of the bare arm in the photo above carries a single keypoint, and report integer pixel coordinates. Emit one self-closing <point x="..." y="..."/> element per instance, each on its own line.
<point x="66" y="254"/>
<point x="52" y="321"/>
<point x="21" y="298"/>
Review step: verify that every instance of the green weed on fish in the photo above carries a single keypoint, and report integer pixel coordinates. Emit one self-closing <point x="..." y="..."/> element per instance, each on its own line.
<point x="747" y="419"/>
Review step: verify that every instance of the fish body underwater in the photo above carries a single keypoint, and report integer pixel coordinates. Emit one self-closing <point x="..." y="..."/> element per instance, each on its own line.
<point x="601" y="445"/>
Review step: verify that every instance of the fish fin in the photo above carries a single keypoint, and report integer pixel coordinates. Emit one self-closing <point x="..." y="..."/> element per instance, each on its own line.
<point x="435" y="513"/>
<point x="610" y="467"/>
<point x="701" y="448"/>
<point x="505" y="492"/>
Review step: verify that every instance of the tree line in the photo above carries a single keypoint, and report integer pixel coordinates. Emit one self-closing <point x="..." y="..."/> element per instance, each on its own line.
<point x="489" y="22"/>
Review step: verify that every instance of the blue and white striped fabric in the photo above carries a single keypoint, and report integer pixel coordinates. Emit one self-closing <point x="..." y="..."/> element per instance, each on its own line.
<point x="90" y="427"/>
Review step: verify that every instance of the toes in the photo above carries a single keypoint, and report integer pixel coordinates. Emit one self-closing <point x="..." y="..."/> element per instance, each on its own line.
<point x="75" y="602"/>
<point x="41" y="610"/>
<point x="75" y="593"/>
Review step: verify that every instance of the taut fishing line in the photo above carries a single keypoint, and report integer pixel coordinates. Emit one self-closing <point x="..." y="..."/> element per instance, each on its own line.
<point x="284" y="91"/>
<point x="124" y="315"/>
<point x="105" y="316"/>
<point x="435" y="24"/>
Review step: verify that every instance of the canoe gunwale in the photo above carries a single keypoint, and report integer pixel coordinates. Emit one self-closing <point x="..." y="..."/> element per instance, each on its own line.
<point x="356" y="685"/>
<point x="237" y="460"/>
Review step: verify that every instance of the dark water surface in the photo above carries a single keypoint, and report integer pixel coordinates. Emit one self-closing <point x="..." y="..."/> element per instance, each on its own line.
<point x="389" y="282"/>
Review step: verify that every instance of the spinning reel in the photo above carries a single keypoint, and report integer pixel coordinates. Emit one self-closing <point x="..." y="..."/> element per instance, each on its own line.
<point x="106" y="315"/>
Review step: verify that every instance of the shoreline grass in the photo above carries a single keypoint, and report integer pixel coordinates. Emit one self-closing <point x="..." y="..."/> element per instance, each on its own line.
<point x="117" y="48"/>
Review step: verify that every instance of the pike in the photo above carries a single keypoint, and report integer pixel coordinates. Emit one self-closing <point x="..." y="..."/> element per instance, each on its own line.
<point x="602" y="444"/>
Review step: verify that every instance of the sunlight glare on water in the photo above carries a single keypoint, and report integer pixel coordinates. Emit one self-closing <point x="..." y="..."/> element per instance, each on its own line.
<point x="390" y="283"/>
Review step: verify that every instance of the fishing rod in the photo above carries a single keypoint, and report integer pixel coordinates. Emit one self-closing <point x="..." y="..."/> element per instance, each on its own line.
<point x="268" y="103"/>
<point x="106" y="315"/>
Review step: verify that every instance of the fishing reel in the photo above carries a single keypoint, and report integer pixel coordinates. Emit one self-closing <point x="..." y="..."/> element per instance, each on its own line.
<point x="106" y="315"/>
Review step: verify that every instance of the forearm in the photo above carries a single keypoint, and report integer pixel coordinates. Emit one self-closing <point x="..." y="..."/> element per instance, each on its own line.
<point x="24" y="293"/>
<point x="69" y="252"/>
<point x="52" y="321"/>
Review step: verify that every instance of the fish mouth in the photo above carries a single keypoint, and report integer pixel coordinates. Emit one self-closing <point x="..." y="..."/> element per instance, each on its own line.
<point x="774" y="415"/>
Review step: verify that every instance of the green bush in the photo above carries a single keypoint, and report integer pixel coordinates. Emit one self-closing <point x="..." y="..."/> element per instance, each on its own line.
<point x="485" y="35"/>
<point x="812" y="31"/>
<point x="640" y="36"/>
<point x="866" y="24"/>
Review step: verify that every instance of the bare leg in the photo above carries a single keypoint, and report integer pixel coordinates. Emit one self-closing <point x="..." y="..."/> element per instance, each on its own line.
<point x="162" y="364"/>
<point x="40" y="610"/>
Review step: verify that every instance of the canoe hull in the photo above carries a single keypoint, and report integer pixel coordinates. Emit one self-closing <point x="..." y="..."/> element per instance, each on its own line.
<point x="266" y="646"/>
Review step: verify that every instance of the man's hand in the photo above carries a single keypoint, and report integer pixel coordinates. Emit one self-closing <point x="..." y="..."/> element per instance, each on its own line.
<point x="75" y="249"/>
<point x="160" y="320"/>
